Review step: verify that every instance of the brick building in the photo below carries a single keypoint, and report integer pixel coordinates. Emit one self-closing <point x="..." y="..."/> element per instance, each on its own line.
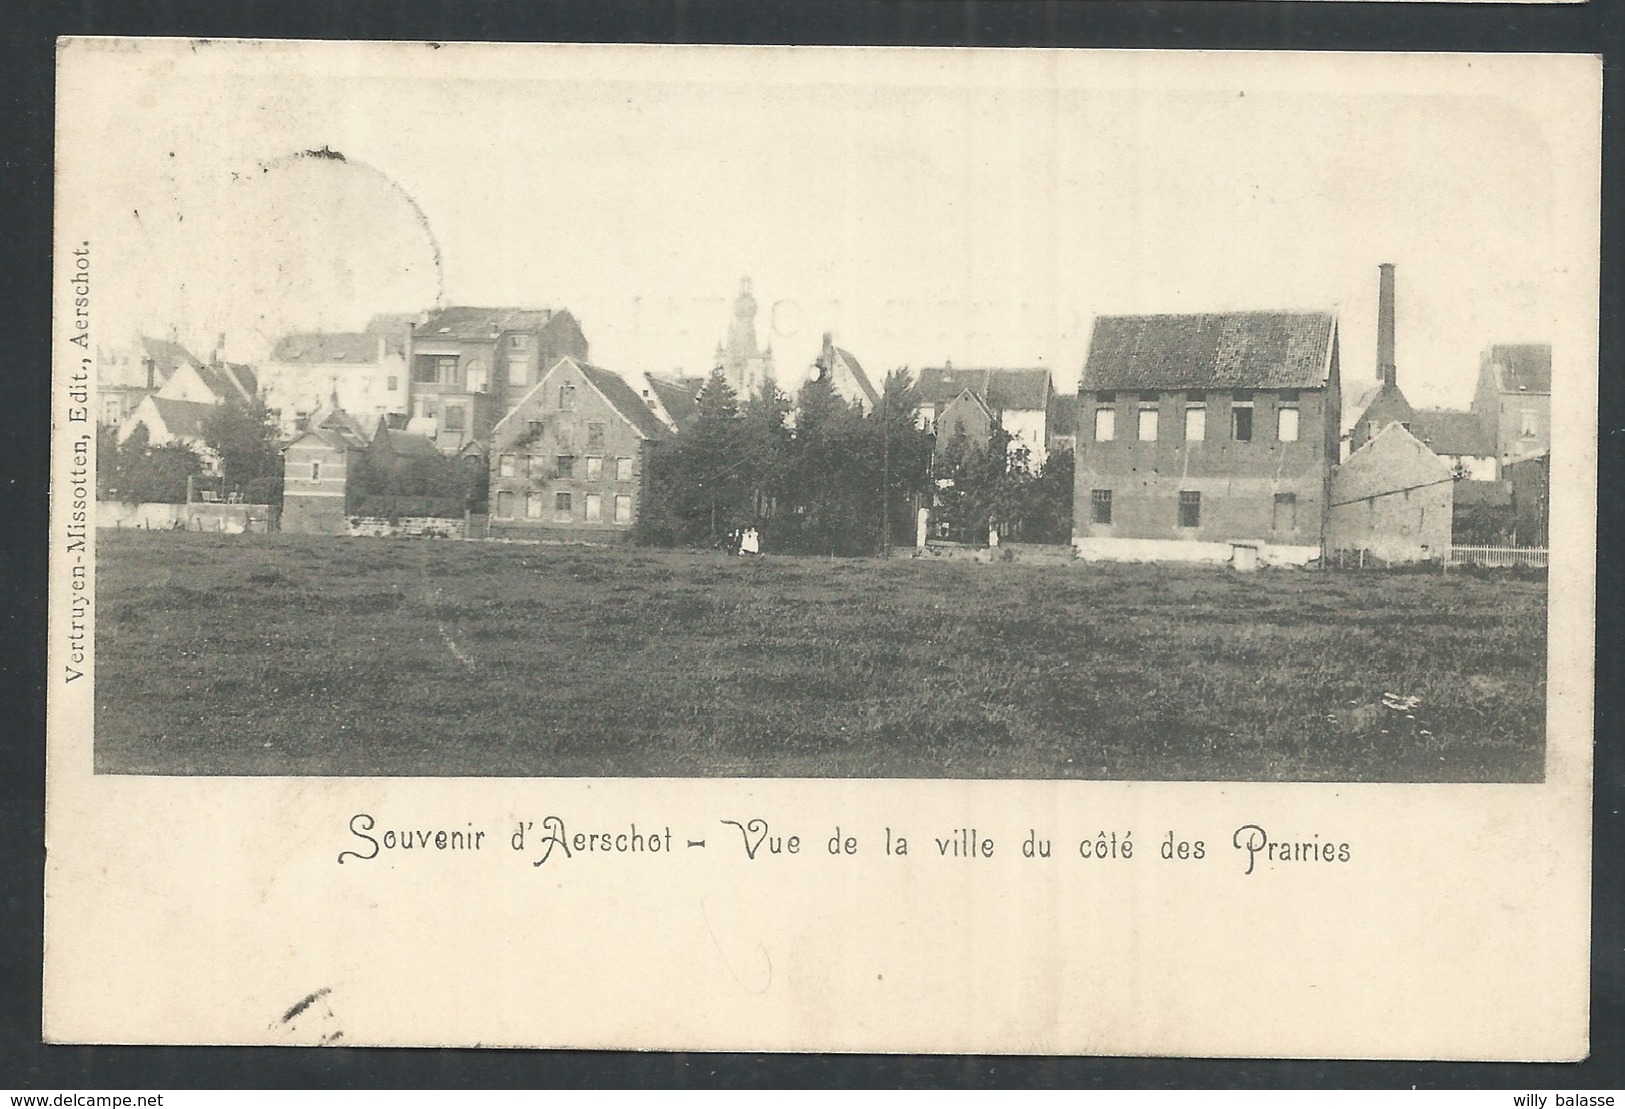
<point x="316" y="476"/>
<point x="1393" y="498"/>
<point x="568" y="462"/>
<point x="1197" y="432"/>
<point x="1514" y="399"/>
<point x="471" y="366"/>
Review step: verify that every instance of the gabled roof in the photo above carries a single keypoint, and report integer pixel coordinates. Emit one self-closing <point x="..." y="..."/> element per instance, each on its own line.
<point x="1452" y="433"/>
<point x="181" y="418"/>
<point x="229" y="379"/>
<point x="970" y="397"/>
<point x="1523" y="367"/>
<point x="679" y="398"/>
<point x="1002" y="389"/>
<point x="482" y="323"/>
<point x="314" y="347"/>
<point x="167" y="356"/>
<point x="1396" y="459"/>
<point x="1220" y="350"/>
<point x="330" y="437"/>
<point x="624" y="399"/>
<point x="612" y="387"/>
<point x="856" y="370"/>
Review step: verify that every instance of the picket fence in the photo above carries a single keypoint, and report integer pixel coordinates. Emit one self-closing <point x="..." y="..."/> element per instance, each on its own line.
<point x="1499" y="556"/>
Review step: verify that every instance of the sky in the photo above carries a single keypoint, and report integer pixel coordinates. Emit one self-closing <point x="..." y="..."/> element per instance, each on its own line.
<point x="921" y="205"/>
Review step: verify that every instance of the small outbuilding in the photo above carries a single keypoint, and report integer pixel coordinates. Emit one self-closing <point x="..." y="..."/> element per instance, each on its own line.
<point x="1393" y="499"/>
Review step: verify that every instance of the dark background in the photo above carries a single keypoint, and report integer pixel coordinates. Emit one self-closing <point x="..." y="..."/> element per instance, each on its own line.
<point x="26" y="128"/>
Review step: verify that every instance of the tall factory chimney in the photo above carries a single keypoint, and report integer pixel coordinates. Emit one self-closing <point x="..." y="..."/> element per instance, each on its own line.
<point x="1385" y="326"/>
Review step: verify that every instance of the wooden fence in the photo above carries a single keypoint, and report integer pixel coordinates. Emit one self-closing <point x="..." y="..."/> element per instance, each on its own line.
<point x="1498" y="556"/>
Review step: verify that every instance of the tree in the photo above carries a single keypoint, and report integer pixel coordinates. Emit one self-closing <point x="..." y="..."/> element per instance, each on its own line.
<point x="244" y="436"/>
<point x="138" y="473"/>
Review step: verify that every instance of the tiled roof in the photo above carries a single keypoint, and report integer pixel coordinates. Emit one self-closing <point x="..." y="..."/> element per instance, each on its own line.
<point x="481" y="323"/>
<point x="314" y="347"/>
<point x="182" y="418"/>
<point x="625" y="400"/>
<point x="334" y="439"/>
<point x="1525" y="367"/>
<point x="1452" y="433"/>
<point x="167" y="356"/>
<point x="230" y="380"/>
<point x="1225" y="350"/>
<point x="1014" y="389"/>
<point x="678" y="398"/>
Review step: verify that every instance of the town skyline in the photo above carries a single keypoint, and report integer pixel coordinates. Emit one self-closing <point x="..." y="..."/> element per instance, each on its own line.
<point x="924" y="207"/>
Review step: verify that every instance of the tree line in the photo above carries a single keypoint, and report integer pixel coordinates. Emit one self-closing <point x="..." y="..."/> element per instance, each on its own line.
<point x="820" y="475"/>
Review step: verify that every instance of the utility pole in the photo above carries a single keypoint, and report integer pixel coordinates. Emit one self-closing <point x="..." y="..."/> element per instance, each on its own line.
<point x="885" y="476"/>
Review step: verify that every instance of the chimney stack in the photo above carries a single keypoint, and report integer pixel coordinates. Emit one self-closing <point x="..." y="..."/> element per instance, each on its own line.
<point x="1386" y="371"/>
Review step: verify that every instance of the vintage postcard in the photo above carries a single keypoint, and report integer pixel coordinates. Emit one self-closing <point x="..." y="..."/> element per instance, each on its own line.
<point x="823" y="549"/>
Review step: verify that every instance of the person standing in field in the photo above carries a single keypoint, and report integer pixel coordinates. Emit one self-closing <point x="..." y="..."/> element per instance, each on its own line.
<point x="750" y="542"/>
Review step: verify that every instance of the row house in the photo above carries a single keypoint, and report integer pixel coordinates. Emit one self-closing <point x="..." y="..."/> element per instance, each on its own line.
<point x="472" y="366"/>
<point x="568" y="462"/>
<point x="178" y="411"/>
<point x="125" y="377"/>
<point x="1200" y="432"/>
<point x="1023" y="402"/>
<point x="1513" y="400"/>
<point x="363" y="372"/>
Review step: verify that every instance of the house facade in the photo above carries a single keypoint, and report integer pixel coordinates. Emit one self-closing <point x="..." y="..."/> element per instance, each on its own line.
<point x="127" y="376"/>
<point x="847" y="376"/>
<point x="471" y="366"/>
<point x="363" y="371"/>
<point x="967" y="415"/>
<point x="568" y="462"/>
<point x="1199" y="432"/>
<point x="316" y="479"/>
<point x="1022" y="400"/>
<point x="1513" y="400"/>
<point x="1394" y="499"/>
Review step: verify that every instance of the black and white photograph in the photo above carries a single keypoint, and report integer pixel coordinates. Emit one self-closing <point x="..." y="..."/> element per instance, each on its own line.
<point x="617" y="425"/>
<point x="782" y="549"/>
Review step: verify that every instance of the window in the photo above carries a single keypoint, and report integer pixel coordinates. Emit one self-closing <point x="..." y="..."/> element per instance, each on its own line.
<point x="1105" y="424"/>
<point x="519" y="342"/>
<point x="564" y="465"/>
<point x="315" y="471"/>
<point x="434" y="369"/>
<point x="427" y="407"/>
<point x="1190" y="509"/>
<point x="1286" y="424"/>
<point x="561" y="506"/>
<point x="595" y="508"/>
<point x="504" y="504"/>
<point x="394" y="383"/>
<point x="533" y="430"/>
<point x="1286" y="512"/>
<point x="505" y="466"/>
<point x="623" y="508"/>
<point x="567" y="397"/>
<point x="1528" y="424"/>
<point x="454" y="417"/>
<point x="1100" y="501"/>
<point x="623" y="469"/>
<point x="595" y="435"/>
<point x="1148" y="425"/>
<point x="518" y="372"/>
<point x="595" y="469"/>
<point x="1195" y="423"/>
<point x="533" y="466"/>
<point x="1241" y="421"/>
<point x="533" y="506"/>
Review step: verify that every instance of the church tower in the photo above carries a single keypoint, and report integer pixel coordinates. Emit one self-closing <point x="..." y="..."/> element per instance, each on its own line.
<point x="742" y="361"/>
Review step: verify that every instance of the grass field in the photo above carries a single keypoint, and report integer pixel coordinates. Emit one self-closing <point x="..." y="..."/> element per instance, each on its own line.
<point x="307" y="655"/>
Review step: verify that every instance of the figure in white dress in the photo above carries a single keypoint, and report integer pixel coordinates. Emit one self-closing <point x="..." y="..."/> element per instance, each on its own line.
<point x="750" y="542"/>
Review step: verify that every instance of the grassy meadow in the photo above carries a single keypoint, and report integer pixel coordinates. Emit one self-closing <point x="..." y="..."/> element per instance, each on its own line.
<point x="310" y="655"/>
